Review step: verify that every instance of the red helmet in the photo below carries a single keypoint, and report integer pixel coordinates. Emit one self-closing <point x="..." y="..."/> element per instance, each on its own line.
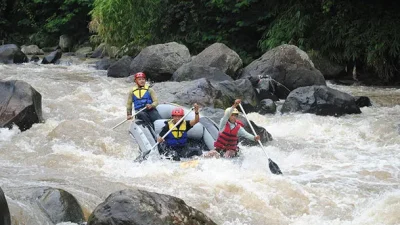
<point x="177" y="112"/>
<point x="140" y="75"/>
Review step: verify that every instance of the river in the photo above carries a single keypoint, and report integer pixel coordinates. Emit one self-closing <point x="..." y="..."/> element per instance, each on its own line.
<point x="343" y="170"/>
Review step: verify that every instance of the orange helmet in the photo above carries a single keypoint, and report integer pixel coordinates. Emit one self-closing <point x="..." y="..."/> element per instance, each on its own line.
<point x="178" y="112"/>
<point x="140" y="75"/>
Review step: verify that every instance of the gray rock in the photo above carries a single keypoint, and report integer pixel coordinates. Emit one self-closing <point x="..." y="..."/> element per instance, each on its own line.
<point x="141" y="207"/>
<point x="219" y="56"/>
<point x="320" y="100"/>
<point x="288" y="67"/>
<point x="20" y="104"/>
<point x="190" y="71"/>
<point x="160" y="61"/>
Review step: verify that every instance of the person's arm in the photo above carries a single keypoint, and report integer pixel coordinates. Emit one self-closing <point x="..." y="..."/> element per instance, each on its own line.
<point x="129" y="104"/>
<point x="153" y="97"/>
<point x="164" y="130"/>
<point x="243" y="133"/>
<point x="225" y="119"/>
<point x="196" y="115"/>
<point x="188" y="125"/>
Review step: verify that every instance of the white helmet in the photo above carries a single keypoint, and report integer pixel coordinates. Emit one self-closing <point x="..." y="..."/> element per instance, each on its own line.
<point x="235" y="111"/>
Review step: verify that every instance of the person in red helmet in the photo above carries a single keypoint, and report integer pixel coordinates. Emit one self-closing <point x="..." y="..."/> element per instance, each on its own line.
<point x="230" y="129"/>
<point x="175" y="142"/>
<point x="142" y="96"/>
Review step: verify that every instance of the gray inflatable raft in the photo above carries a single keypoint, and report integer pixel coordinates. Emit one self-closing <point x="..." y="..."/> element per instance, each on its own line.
<point x="202" y="136"/>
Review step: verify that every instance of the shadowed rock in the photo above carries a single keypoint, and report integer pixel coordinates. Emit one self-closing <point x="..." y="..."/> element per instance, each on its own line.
<point x="59" y="205"/>
<point x="11" y="53"/>
<point x="141" y="207"/>
<point x="20" y="103"/>
<point x="5" y="218"/>
<point x="320" y="100"/>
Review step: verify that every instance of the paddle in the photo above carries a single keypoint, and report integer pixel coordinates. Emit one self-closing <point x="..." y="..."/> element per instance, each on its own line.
<point x="272" y="165"/>
<point x="127" y="119"/>
<point x="175" y="125"/>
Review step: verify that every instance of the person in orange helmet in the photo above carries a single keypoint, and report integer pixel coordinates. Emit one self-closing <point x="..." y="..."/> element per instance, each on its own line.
<point x="174" y="145"/>
<point x="142" y="96"/>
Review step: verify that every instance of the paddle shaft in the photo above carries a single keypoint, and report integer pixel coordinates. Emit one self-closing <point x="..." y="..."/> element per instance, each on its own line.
<point x="252" y="129"/>
<point x="127" y="119"/>
<point x="175" y="125"/>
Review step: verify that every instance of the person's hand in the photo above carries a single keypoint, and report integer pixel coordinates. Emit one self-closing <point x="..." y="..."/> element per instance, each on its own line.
<point x="160" y="139"/>
<point x="129" y="117"/>
<point x="196" y="108"/>
<point x="237" y="102"/>
<point x="257" y="138"/>
<point x="148" y="106"/>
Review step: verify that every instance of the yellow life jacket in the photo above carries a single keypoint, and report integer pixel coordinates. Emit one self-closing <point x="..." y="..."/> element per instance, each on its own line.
<point x="178" y="130"/>
<point x="139" y="93"/>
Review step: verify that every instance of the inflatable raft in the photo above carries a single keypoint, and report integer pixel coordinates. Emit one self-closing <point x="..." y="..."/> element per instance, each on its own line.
<point x="201" y="137"/>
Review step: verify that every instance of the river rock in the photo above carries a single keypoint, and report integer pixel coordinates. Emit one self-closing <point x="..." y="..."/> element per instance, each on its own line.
<point x="120" y="68"/>
<point x="219" y="56"/>
<point x="160" y="61"/>
<point x="20" y="104"/>
<point x="190" y="71"/>
<point x="11" y="53"/>
<point x="141" y="207"/>
<point x="53" y="57"/>
<point x="320" y="100"/>
<point x="5" y="218"/>
<point x="288" y="66"/>
<point x="59" y="205"/>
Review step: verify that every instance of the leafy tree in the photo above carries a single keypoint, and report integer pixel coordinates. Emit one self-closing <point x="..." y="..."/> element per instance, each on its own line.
<point x="129" y="23"/>
<point x="44" y="19"/>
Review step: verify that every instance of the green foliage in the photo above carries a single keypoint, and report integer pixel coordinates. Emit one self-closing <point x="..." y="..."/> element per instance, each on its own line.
<point x="44" y="19"/>
<point x="129" y="23"/>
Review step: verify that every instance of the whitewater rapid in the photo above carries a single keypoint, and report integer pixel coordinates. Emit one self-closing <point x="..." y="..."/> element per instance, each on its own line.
<point x="336" y="170"/>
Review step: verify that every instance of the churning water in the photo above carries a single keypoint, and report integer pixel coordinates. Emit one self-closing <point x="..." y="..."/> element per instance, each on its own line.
<point x="342" y="170"/>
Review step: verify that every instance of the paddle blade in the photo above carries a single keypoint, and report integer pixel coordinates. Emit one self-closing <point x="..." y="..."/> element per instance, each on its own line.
<point x="274" y="167"/>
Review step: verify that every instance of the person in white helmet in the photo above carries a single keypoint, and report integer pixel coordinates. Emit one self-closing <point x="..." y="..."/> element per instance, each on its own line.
<point x="230" y="130"/>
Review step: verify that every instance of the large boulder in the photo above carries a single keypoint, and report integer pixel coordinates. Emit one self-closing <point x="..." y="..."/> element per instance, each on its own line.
<point x="11" y="53"/>
<point x="231" y="90"/>
<point x="189" y="92"/>
<point x="220" y="56"/>
<point x="20" y="104"/>
<point x="320" y="100"/>
<point x="141" y="207"/>
<point x="328" y="68"/>
<point x="59" y="205"/>
<point x="120" y="68"/>
<point x="190" y="71"/>
<point x="160" y="61"/>
<point x="288" y="67"/>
